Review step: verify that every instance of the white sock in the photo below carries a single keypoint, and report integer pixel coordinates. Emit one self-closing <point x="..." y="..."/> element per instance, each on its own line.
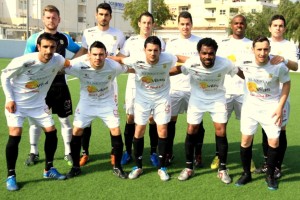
<point x="34" y="136"/>
<point x="66" y="132"/>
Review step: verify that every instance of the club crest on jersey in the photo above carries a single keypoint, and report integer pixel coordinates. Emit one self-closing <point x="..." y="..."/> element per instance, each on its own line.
<point x="219" y="75"/>
<point x="164" y="66"/>
<point x="109" y="77"/>
<point x="61" y="41"/>
<point x="270" y="75"/>
<point x="115" y="37"/>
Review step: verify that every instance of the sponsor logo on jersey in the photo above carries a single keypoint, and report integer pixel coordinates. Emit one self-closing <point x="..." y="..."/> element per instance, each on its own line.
<point x="29" y="63"/>
<point x="195" y="65"/>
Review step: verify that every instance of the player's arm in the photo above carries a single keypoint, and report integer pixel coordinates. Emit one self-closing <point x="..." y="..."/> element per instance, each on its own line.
<point x="117" y="59"/>
<point x="291" y="65"/>
<point x="182" y="59"/>
<point x="81" y="52"/>
<point x="284" y="95"/>
<point x="175" y="70"/>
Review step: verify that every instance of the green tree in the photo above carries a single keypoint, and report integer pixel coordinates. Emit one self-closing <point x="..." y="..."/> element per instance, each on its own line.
<point x="134" y="8"/>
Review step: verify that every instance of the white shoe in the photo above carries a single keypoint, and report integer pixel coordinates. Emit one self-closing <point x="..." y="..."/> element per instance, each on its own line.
<point x="224" y="176"/>
<point x="162" y="172"/>
<point x="185" y="174"/>
<point x="135" y="173"/>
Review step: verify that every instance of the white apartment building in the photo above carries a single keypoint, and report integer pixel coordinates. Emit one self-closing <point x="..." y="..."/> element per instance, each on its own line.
<point x="211" y="17"/>
<point x="76" y="15"/>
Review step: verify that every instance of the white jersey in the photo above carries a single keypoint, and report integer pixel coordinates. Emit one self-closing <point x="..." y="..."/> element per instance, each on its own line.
<point x="284" y="48"/>
<point x="262" y="82"/>
<point x="113" y="39"/>
<point x="26" y="80"/>
<point x="235" y="50"/>
<point x="95" y="85"/>
<point x="184" y="47"/>
<point x="152" y="81"/>
<point x="207" y="84"/>
<point x="134" y="47"/>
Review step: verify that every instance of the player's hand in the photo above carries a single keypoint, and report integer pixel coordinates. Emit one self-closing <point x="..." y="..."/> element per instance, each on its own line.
<point x="11" y="106"/>
<point x="276" y="60"/>
<point x="277" y="117"/>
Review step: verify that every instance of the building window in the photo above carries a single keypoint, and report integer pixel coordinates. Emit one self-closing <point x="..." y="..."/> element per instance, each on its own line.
<point x="222" y="12"/>
<point x="183" y="8"/>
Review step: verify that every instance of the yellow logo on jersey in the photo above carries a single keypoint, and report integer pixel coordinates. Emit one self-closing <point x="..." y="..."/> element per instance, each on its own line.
<point x="147" y="79"/>
<point x="91" y="89"/>
<point x="203" y="85"/>
<point x="252" y="87"/>
<point x="232" y="58"/>
<point x="32" y="84"/>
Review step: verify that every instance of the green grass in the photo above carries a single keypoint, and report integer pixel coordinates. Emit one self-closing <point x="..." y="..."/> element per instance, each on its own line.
<point x="98" y="182"/>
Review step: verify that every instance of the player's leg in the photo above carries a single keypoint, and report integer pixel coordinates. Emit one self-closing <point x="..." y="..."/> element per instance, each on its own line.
<point x="153" y="142"/>
<point x="34" y="136"/>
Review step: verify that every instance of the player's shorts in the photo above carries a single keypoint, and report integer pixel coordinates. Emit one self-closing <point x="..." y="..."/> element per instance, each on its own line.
<point x="197" y="108"/>
<point x="85" y="113"/>
<point x="160" y="110"/>
<point x="254" y="115"/>
<point x="286" y="113"/>
<point x="234" y="103"/>
<point x="130" y="94"/>
<point x="41" y="116"/>
<point x="179" y="101"/>
<point x="59" y="100"/>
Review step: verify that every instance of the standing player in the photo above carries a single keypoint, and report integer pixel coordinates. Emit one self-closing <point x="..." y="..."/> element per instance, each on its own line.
<point x="113" y="39"/>
<point x="134" y="47"/>
<point x="152" y="96"/>
<point x="26" y="81"/>
<point x="263" y="104"/>
<point x="96" y="100"/>
<point x="235" y="48"/>
<point x="58" y="98"/>
<point x="180" y="85"/>
<point x="286" y="52"/>
<point x="207" y="73"/>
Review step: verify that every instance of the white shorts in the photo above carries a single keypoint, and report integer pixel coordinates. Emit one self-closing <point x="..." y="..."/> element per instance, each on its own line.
<point x="160" y="110"/>
<point x="286" y="113"/>
<point x="254" y="115"/>
<point x="106" y="111"/>
<point x="40" y="116"/>
<point x="130" y="94"/>
<point x="234" y="103"/>
<point x="179" y="101"/>
<point x="197" y="108"/>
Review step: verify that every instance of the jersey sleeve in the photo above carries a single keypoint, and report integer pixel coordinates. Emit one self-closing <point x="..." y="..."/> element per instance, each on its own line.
<point x="72" y="46"/>
<point x="83" y="40"/>
<point x="31" y="44"/>
<point x="283" y="74"/>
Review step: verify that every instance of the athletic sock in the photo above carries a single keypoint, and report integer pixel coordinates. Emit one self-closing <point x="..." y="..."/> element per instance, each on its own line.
<point x="162" y="146"/>
<point x="265" y="144"/>
<point x="272" y="160"/>
<point x="50" y="148"/>
<point x="189" y="150"/>
<point x="223" y="150"/>
<point x="153" y="138"/>
<point x="138" y="144"/>
<point x="199" y="140"/>
<point x="117" y="143"/>
<point x="217" y="148"/>
<point x="66" y="132"/>
<point x="281" y="148"/>
<point x="128" y="135"/>
<point x="12" y="149"/>
<point x="246" y="156"/>
<point x="85" y="140"/>
<point x="75" y="149"/>
<point x="34" y="136"/>
<point x="171" y="136"/>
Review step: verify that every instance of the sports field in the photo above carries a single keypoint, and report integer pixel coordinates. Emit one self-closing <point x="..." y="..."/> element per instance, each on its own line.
<point x="98" y="182"/>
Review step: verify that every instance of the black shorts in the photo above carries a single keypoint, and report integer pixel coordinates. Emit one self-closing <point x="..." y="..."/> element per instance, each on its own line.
<point x="59" y="100"/>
